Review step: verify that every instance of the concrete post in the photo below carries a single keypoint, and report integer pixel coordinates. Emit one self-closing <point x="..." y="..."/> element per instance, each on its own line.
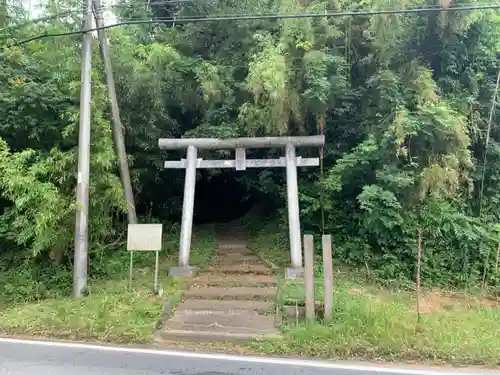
<point x="188" y="207"/>
<point x="309" y="284"/>
<point x="184" y="270"/>
<point x="80" y="268"/>
<point x="326" y="240"/>
<point x="293" y="211"/>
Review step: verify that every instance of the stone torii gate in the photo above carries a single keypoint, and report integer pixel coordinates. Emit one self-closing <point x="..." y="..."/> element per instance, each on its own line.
<point x="240" y="163"/>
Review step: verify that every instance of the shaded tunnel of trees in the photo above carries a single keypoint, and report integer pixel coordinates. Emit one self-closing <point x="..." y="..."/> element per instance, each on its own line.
<point x="221" y="197"/>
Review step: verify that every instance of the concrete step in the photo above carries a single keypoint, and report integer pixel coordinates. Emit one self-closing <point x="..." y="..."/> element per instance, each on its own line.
<point x="206" y="336"/>
<point x="236" y="293"/>
<point x="237" y="260"/>
<point x="234" y="321"/>
<point x="237" y="248"/>
<point x="231" y="320"/>
<point x="231" y="324"/>
<point x="235" y="256"/>
<point x="227" y="280"/>
<point x="235" y="253"/>
<point x="260" y="307"/>
<point x="232" y="245"/>
<point x="258" y="269"/>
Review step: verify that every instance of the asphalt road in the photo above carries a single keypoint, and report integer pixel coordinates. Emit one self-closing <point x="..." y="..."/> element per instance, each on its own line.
<point x="19" y="357"/>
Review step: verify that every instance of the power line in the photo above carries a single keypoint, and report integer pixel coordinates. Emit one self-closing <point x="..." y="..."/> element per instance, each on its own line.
<point x="78" y="12"/>
<point x="177" y="2"/>
<point x="253" y="17"/>
<point x="41" y="19"/>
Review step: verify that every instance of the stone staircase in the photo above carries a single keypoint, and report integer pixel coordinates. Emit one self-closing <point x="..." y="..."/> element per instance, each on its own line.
<point x="232" y="301"/>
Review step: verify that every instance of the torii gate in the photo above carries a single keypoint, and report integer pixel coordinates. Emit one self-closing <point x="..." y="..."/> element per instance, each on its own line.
<point x="240" y="163"/>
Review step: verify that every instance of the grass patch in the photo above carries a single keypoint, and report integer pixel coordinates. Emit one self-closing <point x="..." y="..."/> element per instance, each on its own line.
<point x="372" y="322"/>
<point x="203" y="246"/>
<point x="271" y="243"/>
<point x="384" y="325"/>
<point x="110" y="312"/>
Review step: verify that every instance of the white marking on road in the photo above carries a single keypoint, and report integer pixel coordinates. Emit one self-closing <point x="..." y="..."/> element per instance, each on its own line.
<point x="235" y="358"/>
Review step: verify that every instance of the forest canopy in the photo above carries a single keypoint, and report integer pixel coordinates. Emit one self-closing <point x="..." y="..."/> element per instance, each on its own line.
<point x="407" y="103"/>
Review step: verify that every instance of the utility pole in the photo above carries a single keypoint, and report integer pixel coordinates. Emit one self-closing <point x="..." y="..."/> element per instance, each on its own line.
<point x="115" y="114"/>
<point x="3" y="13"/>
<point x="80" y="263"/>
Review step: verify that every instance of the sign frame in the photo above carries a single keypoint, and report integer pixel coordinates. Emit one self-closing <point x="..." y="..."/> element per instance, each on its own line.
<point x="144" y="238"/>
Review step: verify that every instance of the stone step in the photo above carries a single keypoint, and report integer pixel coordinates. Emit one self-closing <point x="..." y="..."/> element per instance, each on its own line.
<point x="238" y="321"/>
<point x="233" y="245"/>
<point x="235" y="252"/>
<point x="235" y="280"/>
<point x="206" y="336"/>
<point x="237" y="260"/>
<point x="258" y="269"/>
<point x="260" y="307"/>
<point x="217" y="325"/>
<point x="236" y="293"/>
<point x="238" y="250"/>
<point x="232" y="320"/>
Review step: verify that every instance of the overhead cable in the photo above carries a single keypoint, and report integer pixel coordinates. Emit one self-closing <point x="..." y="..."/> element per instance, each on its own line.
<point x="253" y="17"/>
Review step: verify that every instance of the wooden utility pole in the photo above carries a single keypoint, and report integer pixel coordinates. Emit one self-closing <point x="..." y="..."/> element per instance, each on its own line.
<point x="115" y="114"/>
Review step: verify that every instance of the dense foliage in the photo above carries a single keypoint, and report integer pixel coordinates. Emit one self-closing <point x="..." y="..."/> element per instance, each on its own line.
<point x="407" y="104"/>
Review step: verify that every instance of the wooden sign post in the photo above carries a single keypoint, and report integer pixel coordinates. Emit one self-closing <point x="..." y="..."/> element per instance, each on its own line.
<point x="145" y="237"/>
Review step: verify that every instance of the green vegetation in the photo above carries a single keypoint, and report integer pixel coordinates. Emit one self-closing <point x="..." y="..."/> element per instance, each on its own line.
<point x="408" y="107"/>
<point x="372" y="322"/>
<point x="372" y="325"/>
<point x="111" y="311"/>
